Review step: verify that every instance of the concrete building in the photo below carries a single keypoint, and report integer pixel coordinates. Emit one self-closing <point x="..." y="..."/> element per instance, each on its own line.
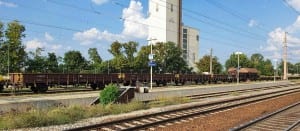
<point x="190" y="45"/>
<point x="165" y="24"/>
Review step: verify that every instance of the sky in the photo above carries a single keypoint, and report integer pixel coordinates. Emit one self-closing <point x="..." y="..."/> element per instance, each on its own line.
<point x="226" y="26"/>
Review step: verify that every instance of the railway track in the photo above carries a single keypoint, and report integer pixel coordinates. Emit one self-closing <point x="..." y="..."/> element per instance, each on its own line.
<point x="285" y="119"/>
<point x="54" y="91"/>
<point x="63" y="90"/>
<point x="236" y="92"/>
<point x="155" y="120"/>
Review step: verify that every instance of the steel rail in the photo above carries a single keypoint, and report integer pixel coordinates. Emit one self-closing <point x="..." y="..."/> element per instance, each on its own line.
<point x="260" y="119"/>
<point x="209" y="108"/>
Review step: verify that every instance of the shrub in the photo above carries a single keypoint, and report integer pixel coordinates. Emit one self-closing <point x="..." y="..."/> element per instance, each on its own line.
<point x="109" y="94"/>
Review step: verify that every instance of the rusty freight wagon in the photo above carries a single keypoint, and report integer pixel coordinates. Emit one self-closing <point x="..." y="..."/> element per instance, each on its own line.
<point x="39" y="82"/>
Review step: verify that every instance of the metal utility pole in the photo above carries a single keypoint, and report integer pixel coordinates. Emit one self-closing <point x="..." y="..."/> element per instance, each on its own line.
<point x="285" y="57"/>
<point x="8" y="59"/>
<point x="151" y="58"/>
<point x="275" y="70"/>
<point x="238" y="67"/>
<point x="210" y="64"/>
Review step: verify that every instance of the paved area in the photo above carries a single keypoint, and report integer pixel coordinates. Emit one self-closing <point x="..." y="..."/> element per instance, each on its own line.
<point x="43" y="97"/>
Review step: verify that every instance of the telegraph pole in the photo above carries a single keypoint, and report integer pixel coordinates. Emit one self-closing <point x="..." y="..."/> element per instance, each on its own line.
<point x="285" y="57"/>
<point x="210" y="64"/>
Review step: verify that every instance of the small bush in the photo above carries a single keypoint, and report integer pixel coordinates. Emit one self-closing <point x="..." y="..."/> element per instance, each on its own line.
<point x="109" y="94"/>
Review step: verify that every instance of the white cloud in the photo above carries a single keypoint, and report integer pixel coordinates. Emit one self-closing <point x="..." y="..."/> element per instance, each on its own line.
<point x="135" y="23"/>
<point x="94" y="35"/>
<point x="33" y="44"/>
<point x="48" y="37"/>
<point x="252" y="23"/>
<point x="99" y="2"/>
<point x="134" y="28"/>
<point x="294" y="3"/>
<point x="274" y="44"/>
<point x="8" y="4"/>
<point x="55" y="47"/>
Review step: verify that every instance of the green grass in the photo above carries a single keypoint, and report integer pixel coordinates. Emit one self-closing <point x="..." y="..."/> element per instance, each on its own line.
<point x="71" y="114"/>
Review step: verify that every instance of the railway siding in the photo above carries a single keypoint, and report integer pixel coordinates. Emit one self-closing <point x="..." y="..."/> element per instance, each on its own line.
<point x="182" y="91"/>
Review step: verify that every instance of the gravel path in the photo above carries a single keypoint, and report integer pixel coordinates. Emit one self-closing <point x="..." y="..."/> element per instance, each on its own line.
<point x="230" y="118"/>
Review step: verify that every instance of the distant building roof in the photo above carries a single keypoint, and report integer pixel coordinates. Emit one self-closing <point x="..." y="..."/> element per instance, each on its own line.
<point x="243" y="70"/>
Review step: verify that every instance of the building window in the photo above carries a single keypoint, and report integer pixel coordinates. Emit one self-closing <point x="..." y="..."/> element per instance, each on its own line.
<point x="184" y="31"/>
<point x="171" y="7"/>
<point x="197" y="37"/>
<point x="156" y="7"/>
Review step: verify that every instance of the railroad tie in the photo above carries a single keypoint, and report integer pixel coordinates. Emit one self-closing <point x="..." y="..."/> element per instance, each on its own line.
<point x="120" y="127"/>
<point x="138" y="122"/>
<point x="129" y="125"/>
<point x="146" y="120"/>
<point x="161" y="117"/>
<point x="107" y="129"/>
<point x="154" y="119"/>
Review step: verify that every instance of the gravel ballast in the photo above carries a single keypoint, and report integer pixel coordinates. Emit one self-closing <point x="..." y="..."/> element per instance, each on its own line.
<point x="234" y="117"/>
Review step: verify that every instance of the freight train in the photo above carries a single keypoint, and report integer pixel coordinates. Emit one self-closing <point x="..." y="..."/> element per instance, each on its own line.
<point x="3" y="81"/>
<point x="39" y="82"/>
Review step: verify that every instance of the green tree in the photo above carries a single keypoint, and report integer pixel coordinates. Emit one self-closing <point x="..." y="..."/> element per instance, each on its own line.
<point x="36" y="63"/>
<point x="130" y="48"/>
<point x="297" y="68"/>
<point x="233" y="61"/>
<point x="12" y="47"/>
<point x="172" y="58"/>
<point x="141" y="61"/>
<point x="52" y="63"/>
<point x="268" y="68"/>
<point x="74" y="61"/>
<point x="94" y="56"/>
<point x="203" y="65"/>
<point x="118" y="62"/>
<point x="2" y="51"/>
<point x="95" y="59"/>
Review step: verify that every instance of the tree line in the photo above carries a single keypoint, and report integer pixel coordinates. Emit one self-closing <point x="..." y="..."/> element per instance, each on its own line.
<point x="126" y="58"/>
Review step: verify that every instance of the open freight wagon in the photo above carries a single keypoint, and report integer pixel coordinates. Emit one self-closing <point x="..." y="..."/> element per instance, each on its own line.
<point x="40" y="82"/>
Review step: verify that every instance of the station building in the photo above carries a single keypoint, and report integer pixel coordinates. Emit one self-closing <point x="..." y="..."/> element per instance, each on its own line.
<point x="165" y="20"/>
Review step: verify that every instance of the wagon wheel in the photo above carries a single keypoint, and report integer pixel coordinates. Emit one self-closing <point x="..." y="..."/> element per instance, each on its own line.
<point x="164" y="83"/>
<point x="157" y="83"/>
<point x="42" y="88"/>
<point x="34" y="89"/>
<point x="94" y="86"/>
<point x="101" y="86"/>
<point x="1" y="88"/>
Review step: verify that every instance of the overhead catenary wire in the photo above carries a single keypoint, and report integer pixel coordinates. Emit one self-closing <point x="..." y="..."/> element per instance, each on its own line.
<point x="291" y="7"/>
<point x="242" y="17"/>
<point x="76" y="30"/>
<point x="245" y="33"/>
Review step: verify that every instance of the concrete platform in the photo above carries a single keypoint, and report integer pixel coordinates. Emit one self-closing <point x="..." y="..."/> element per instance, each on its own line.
<point x="21" y="103"/>
<point x="179" y="91"/>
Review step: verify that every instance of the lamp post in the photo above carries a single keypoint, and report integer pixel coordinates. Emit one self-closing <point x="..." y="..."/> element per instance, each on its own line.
<point x="151" y="58"/>
<point x="275" y="69"/>
<point x="238" y="68"/>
